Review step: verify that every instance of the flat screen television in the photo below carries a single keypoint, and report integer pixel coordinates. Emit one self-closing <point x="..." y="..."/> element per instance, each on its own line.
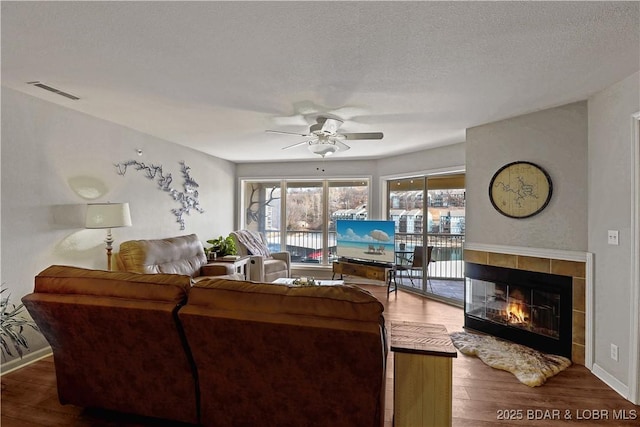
<point x="366" y="240"/>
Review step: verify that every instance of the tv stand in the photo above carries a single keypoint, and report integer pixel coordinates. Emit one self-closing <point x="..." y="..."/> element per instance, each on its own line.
<point x="371" y="270"/>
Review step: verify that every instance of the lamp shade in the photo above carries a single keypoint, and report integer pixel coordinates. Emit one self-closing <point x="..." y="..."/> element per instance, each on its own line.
<point x="108" y="215"/>
<point x="323" y="149"/>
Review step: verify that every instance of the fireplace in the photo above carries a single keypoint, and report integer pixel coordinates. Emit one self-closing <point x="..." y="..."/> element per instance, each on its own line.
<point x="530" y="308"/>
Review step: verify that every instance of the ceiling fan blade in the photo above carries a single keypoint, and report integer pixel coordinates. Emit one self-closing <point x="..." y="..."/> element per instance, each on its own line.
<point x="362" y="135"/>
<point x="341" y="145"/>
<point x="330" y="125"/>
<point x="287" y="133"/>
<point x="295" y="145"/>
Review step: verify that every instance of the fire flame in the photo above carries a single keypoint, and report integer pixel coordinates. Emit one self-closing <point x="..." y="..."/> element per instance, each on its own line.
<point x="516" y="313"/>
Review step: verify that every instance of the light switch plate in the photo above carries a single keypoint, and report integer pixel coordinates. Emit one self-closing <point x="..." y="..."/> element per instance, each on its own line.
<point x="612" y="237"/>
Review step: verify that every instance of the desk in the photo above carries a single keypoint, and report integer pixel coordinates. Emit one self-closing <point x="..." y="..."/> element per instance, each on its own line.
<point x="404" y="257"/>
<point x="240" y="265"/>
<point x="422" y="378"/>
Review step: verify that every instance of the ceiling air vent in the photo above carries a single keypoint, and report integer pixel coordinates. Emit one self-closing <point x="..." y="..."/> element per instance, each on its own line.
<point x="54" y="90"/>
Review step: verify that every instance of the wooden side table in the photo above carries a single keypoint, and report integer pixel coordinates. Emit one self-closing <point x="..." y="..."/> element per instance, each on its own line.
<point x="240" y="265"/>
<point x="422" y="379"/>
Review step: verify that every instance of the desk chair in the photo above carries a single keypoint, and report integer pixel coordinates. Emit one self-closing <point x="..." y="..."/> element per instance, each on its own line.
<point x="415" y="264"/>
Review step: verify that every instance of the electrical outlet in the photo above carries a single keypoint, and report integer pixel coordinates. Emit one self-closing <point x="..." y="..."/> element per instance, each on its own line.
<point x="612" y="237"/>
<point x="614" y="352"/>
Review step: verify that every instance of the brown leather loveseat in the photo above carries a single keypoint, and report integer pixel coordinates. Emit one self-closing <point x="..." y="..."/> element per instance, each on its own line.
<point x="220" y="353"/>
<point x="172" y="255"/>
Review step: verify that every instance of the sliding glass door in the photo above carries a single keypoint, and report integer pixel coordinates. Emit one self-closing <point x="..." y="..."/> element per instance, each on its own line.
<point x="429" y="212"/>
<point x="406" y="208"/>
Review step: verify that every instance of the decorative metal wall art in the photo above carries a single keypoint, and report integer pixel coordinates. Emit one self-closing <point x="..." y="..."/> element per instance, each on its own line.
<point x="188" y="198"/>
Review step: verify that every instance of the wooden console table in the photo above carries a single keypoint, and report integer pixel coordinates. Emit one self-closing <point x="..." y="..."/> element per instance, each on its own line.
<point x="382" y="272"/>
<point x="422" y="378"/>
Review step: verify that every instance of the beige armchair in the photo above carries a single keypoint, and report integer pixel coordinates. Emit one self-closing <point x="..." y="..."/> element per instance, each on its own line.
<point x="266" y="266"/>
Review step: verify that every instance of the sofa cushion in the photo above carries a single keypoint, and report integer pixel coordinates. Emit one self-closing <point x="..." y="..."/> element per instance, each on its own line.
<point x="335" y="302"/>
<point x="174" y="255"/>
<point x="233" y="276"/>
<point x="59" y="279"/>
<point x="316" y="354"/>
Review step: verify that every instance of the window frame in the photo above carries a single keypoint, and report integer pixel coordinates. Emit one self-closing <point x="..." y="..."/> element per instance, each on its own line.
<point x="326" y="184"/>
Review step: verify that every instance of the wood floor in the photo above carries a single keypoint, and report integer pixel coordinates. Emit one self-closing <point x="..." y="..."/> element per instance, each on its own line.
<point x="481" y="395"/>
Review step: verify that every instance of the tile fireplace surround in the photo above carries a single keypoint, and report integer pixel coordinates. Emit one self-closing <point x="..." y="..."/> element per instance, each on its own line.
<point x="577" y="265"/>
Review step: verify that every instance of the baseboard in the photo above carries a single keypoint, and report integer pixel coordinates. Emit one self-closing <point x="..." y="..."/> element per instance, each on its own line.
<point x="611" y="381"/>
<point x="15" y="364"/>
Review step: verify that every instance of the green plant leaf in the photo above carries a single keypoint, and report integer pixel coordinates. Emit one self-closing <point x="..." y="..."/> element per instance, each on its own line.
<point x="12" y="325"/>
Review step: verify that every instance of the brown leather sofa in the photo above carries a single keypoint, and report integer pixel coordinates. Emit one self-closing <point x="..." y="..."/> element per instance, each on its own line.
<point x="115" y="340"/>
<point x="221" y="353"/>
<point x="173" y="255"/>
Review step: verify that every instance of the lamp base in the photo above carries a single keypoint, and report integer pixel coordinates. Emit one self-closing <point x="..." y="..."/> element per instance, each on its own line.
<point x="109" y="242"/>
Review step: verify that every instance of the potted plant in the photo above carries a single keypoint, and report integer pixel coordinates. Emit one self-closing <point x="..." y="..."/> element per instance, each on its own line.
<point x="221" y="246"/>
<point x="12" y="324"/>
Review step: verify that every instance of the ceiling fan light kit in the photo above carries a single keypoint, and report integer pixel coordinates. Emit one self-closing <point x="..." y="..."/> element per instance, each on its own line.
<point x="326" y="139"/>
<point x="322" y="149"/>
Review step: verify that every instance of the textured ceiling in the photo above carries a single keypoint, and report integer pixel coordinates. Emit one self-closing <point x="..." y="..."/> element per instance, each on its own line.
<point x="215" y="75"/>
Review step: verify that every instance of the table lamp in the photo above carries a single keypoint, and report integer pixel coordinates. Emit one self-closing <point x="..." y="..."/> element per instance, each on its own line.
<point x="108" y="215"/>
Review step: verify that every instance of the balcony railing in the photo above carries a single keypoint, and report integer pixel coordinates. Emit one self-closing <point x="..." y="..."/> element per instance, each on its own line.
<point x="447" y="259"/>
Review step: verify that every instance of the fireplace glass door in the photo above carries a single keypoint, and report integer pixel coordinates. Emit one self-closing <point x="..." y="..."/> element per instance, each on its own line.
<point x="516" y="306"/>
<point x="529" y="308"/>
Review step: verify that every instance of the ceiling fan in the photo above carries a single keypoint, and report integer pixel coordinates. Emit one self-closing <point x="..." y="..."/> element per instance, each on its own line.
<point x="325" y="139"/>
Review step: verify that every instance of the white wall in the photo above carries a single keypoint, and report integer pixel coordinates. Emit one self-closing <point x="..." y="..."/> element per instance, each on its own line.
<point x="586" y="147"/>
<point x="51" y="156"/>
<point x="556" y="140"/>
<point x="424" y="162"/>
<point x="610" y="186"/>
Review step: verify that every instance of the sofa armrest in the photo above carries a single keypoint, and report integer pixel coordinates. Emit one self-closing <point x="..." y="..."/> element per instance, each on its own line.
<point x="256" y="270"/>
<point x="283" y="256"/>
<point x="216" y="269"/>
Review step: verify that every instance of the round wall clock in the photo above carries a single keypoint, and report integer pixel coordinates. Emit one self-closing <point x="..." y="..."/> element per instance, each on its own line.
<point x="520" y="189"/>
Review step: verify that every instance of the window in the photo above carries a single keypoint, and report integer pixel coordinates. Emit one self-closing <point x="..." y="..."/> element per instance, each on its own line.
<point x="303" y="221"/>
<point x="261" y="207"/>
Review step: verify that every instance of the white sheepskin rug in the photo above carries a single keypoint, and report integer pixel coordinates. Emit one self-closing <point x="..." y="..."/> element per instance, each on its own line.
<point x="530" y="366"/>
